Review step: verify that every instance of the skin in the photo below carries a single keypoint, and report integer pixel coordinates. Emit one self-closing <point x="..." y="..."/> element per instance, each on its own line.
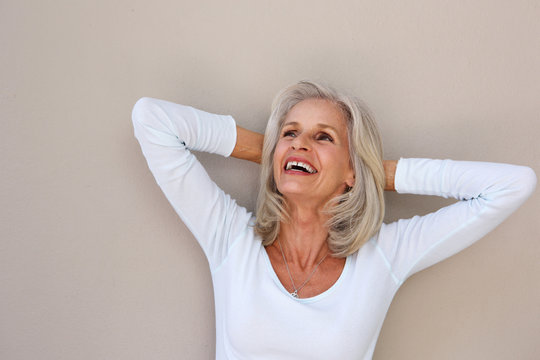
<point x="249" y="147"/>
<point x="314" y="132"/>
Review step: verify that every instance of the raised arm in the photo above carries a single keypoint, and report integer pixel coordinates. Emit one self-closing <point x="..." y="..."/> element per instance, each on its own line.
<point x="390" y="174"/>
<point x="487" y="193"/>
<point x="249" y="147"/>
<point x="167" y="133"/>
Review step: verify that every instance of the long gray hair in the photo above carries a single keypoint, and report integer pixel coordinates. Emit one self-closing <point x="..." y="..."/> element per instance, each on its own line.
<point x="356" y="215"/>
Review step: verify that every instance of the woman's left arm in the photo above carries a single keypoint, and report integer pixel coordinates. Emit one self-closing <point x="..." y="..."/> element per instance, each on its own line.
<point x="390" y="174"/>
<point x="487" y="192"/>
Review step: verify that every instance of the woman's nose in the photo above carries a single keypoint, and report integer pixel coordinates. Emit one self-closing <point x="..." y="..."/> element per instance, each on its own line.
<point x="300" y="143"/>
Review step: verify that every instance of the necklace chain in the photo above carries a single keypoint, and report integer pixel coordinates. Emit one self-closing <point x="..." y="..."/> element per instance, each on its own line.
<point x="297" y="289"/>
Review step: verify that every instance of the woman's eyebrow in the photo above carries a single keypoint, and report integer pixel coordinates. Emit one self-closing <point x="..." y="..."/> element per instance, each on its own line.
<point x="320" y="125"/>
<point x="326" y="126"/>
<point x="293" y="123"/>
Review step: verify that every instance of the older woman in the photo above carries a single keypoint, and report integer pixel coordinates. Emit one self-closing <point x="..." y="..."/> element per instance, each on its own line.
<point x="313" y="275"/>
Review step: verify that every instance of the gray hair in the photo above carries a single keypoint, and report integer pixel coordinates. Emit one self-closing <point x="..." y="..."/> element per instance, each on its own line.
<point x="356" y="215"/>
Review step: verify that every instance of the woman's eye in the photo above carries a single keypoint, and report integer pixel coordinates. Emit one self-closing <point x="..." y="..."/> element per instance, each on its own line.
<point x="289" y="133"/>
<point x="324" y="136"/>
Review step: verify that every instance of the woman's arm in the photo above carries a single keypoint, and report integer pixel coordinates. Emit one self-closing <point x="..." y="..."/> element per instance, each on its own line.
<point x="390" y="174"/>
<point x="487" y="193"/>
<point x="249" y="147"/>
<point x="167" y="133"/>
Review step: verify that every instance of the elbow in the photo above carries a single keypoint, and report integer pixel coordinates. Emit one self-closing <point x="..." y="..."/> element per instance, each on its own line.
<point x="141" y="109"/>
<point x="523" y="184"/>
<point x="528" y="180"/>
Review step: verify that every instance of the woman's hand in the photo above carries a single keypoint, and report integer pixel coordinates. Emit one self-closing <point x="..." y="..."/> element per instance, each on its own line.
<point x="249" y="146"/>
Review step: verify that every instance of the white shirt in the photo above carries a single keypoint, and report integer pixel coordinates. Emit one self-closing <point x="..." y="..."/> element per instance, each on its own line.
<point x="256" y="318"/>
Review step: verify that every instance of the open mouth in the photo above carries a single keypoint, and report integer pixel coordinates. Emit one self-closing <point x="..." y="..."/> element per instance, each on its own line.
<point x="300" y="166"/>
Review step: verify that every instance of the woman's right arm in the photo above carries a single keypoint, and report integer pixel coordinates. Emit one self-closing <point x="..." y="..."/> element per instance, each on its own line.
<point x="248" y="145"/>
<point x="167" y="133"/>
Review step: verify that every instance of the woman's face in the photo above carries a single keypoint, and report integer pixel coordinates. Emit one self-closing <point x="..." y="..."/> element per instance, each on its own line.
<point x="311" y="159"/>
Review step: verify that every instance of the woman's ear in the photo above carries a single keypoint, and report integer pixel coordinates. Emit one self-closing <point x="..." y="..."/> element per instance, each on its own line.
<point x="351" y="180"/>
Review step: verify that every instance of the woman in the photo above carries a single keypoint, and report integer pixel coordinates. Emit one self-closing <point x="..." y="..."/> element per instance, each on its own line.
<point x="313" y="275"/>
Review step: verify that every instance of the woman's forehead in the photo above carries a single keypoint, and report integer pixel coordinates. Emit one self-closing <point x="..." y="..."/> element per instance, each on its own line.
<point x="316" y="112"/>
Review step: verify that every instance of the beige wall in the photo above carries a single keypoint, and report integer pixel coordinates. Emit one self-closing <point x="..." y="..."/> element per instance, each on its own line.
<point x="94" y="262"/>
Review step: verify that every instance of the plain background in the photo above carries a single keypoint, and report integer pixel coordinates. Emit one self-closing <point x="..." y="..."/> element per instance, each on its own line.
<point x="95" y="263"/>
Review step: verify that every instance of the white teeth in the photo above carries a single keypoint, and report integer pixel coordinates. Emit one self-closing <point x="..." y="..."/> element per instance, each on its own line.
<point x="305" y="166"/>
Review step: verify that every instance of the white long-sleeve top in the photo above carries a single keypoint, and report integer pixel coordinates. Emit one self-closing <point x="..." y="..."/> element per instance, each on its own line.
<point x="256" y="317"/>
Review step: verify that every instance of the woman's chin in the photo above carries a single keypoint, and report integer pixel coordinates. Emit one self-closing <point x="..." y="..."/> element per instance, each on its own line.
<point x="305" y="196"/>
<point x="294" y="193"/>
<point x="295" y="188"/>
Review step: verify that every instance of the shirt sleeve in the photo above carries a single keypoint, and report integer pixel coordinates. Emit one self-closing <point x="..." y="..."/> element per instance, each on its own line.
<point x="167" y="132"/>
<point x="487" y="192"/>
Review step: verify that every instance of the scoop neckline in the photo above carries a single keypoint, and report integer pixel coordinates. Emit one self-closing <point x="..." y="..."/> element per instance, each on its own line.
<point x="317" y="297"/>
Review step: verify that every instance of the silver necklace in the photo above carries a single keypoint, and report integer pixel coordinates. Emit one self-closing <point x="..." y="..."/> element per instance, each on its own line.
<point x="297" y="289"/>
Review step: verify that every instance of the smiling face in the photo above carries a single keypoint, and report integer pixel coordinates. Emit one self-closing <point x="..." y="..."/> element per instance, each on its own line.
<point x="311" y="158"/>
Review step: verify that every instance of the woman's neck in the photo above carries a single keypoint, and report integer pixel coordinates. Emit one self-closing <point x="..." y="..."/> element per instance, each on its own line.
<point x="303" y="237"/>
